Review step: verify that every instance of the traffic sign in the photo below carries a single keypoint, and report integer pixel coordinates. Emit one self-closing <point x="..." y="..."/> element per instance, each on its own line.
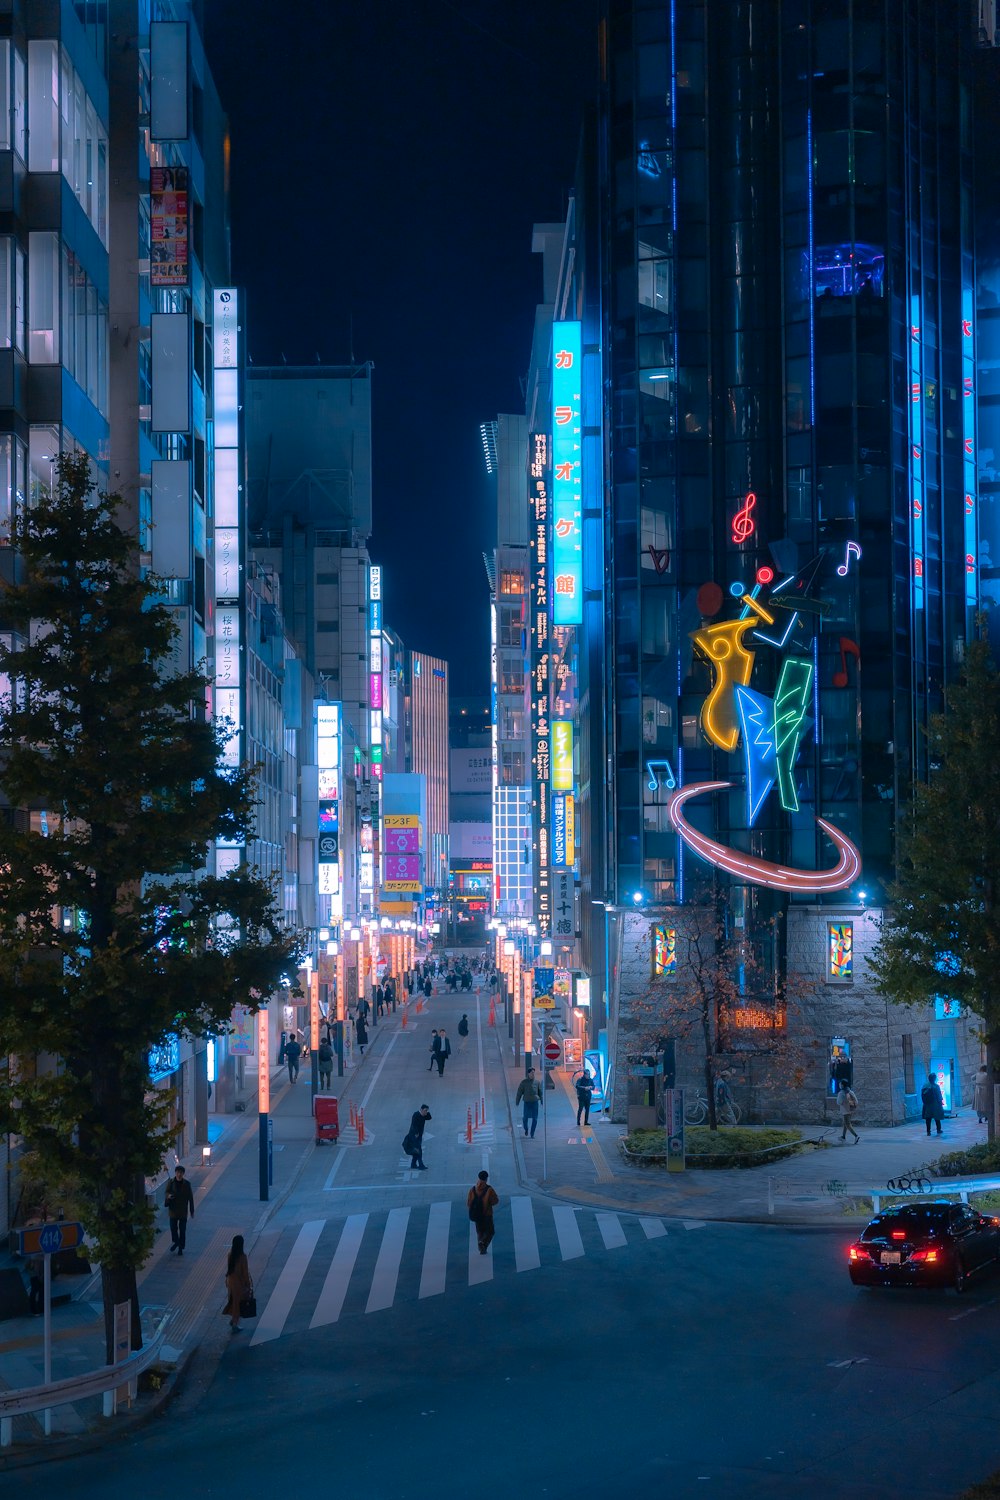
<point x="48" y="1239"/>
<point x="553" y="1048"/>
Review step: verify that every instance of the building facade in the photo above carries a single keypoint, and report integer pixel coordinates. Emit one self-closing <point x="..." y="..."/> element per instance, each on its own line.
<point x="427" y="733"/>
<point x="775" y="219"/>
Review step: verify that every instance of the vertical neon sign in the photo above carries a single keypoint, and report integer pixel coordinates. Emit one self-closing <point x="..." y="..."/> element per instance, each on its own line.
<point x="969" y="450"/>
<point x="567" y="474"/>
<point x="916" y="455"/>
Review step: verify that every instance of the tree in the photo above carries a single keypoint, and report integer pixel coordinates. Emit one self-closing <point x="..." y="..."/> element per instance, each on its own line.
<point x="113" y="935"/>
<point x="721" y="1000"/>
<point x="943" y="935"/>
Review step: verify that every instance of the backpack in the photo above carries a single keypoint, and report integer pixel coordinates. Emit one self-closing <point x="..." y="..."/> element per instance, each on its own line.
<point x="852" y="1099"/>
<point x="475" y="1207"/>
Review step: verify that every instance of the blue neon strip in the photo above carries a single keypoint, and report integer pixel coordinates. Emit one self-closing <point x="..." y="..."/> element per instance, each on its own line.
<point x="969" y="497"/>
<point x="916" y="456"/>
<point x="567" y="474"/>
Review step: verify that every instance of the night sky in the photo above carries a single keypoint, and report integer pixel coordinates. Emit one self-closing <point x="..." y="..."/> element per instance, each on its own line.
<point x="389" y="161"/>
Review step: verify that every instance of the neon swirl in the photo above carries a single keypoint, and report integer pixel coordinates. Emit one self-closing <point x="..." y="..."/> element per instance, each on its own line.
<point x="763" y="871"/>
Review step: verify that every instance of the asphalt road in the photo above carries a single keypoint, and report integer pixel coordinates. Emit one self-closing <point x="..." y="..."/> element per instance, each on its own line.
<point x="716" y="1361"/>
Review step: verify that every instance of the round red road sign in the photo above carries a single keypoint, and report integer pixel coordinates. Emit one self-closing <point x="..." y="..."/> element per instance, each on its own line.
<point x="553" y="1049"/>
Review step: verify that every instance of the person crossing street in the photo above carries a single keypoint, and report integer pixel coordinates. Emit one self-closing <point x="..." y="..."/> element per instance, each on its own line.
<point x="530" y="1092"/>
<point x="482" y="1200"/>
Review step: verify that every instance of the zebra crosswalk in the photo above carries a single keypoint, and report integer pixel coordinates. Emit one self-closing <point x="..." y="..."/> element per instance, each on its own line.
<point x="367" y="1262"/>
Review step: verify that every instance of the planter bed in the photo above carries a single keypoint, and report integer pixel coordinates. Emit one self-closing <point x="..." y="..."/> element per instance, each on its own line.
<point x="640" y="1154"/>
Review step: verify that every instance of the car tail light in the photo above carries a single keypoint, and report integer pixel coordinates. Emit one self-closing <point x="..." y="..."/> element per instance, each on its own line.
<point x="899" y="1234"/>
<point x="924" y="1255"/>
<point x="854" y="1253"/>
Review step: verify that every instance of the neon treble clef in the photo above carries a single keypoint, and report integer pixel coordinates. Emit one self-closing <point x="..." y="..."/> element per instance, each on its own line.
<point x="743" y="526"/>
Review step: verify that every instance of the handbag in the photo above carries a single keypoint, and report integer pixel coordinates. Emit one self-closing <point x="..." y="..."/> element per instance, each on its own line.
<point x="248" y="1304"/>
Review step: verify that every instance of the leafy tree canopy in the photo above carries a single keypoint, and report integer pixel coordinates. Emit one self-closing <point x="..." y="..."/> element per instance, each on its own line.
<point x="113" y="935"/>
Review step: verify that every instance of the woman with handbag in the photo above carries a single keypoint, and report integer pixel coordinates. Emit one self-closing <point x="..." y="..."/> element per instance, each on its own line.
<point x="239" y="1285"/>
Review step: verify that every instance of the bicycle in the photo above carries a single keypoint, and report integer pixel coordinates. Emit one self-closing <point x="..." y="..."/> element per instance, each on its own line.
<point x="727" y="1111"/>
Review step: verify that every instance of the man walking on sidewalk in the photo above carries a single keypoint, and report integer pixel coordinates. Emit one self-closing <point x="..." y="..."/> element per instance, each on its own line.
<point x="434" y="1049"/>
<point x="443" y="1052"/>
<point x="463" y="1031"/>
<point x="179" y="1202"/>
<point x="932" y="1102"/>
<point x="531" y="1093"/>
<point x="414" y="1142"/>
<point x="847" y="1103"/>
<point x="292" y="1054"/>
<point x="482" y="1200"/>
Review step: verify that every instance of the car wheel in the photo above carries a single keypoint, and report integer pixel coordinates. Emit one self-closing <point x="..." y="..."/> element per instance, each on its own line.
<point x="961" y="1280"/>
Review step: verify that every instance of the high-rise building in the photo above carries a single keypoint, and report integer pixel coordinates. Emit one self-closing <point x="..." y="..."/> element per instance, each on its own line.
<point x="427" y="737"/>
<point x="772" y="245"/>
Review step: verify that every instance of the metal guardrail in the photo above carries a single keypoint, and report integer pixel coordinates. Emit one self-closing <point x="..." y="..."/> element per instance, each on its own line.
<point x="940" y="1187"/>
<point x="107" y="1379"/>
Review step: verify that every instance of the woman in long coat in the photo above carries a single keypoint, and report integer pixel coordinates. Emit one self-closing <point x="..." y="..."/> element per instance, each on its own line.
<point x="981" y="1101"/>
<point x="238" y="1282"/>
<point x="361" y="1031"/>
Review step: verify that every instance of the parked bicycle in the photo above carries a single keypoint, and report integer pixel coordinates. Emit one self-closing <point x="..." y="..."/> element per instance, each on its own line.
<point x="727" y="1111"/>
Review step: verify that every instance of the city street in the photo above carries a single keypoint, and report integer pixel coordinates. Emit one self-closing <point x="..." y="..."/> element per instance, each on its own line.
<point x="588" y="1349"/>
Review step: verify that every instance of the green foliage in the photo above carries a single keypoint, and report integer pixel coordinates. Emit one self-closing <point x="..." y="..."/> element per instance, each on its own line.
<point x="944" y="935"/>
<point x="727" y="1146"/>
<point x="983" y="1157"/>
<point x="113" y="772"/>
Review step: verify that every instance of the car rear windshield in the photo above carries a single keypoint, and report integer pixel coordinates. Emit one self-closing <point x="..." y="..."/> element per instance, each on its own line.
<point x="930" y="1220"/>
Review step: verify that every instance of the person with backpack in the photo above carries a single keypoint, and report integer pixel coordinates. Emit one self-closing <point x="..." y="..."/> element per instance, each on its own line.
<point x="325" y="1058"/>
<point x="463" y="1031"/>
<point x="847" y="1103"/>
<point x="482" y="1200"/>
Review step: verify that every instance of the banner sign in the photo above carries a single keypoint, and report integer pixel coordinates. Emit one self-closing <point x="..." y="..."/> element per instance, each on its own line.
<point x="168" y="226"/>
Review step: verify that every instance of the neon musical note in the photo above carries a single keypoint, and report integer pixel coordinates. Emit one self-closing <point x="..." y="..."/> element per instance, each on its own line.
<point x="743" y="526"/>
<point x="847" y="648"/>
<point x="669" y="779"/>
<point x="843" y="568"/>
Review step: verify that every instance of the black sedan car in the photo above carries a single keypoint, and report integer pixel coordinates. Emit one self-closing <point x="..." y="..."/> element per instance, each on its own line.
<point x="936" y="1243"/>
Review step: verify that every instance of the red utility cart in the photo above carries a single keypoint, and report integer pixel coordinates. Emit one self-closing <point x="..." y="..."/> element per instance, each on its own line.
<point x="327" y="1118"/>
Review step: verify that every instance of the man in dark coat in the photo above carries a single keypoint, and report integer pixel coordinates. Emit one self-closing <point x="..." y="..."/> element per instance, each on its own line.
<point x="414" y="1142"/>
<point x="434" y="1049"/>
<point x="443" y="1051"/>
<point x="584" y="1086"/>
<point x="179" y="1202"/>
<point x="293" y="1051"/>
<point x="932" y="1102"/>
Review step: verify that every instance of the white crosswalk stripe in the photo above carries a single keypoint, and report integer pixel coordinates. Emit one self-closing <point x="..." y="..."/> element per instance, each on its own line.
<point x="367" y="1264"/>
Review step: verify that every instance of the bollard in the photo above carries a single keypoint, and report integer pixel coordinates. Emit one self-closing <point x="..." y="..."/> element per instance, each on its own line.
<point x="468" y="1128"/>
<point x="419" y="1006"/>
<point x="361" y="1127"/>
<point x="493" y="1014"/>
<point x="404" y="1017"/>
<point x="482" y="1111"/>
<point x="477" y="1114"/>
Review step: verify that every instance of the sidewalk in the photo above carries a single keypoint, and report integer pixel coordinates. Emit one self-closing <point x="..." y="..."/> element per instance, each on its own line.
<point x="227" y="1202"/>
<point x="818" y="1186"/>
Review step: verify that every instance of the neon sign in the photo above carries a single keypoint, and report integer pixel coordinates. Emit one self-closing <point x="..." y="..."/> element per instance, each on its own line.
<point x="969" y="450"/>
<point x="743" y="524"/>
<point x="747" y="867"/>
<point x="732" y="663"/>
<point x="757" y="725"/>
<point x="790" y="703"/>
<point x="567" y="474"/>
<point x="916" y="455"/>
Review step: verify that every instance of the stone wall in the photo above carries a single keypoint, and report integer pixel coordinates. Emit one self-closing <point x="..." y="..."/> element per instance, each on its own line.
<point x="818" y="1011"/>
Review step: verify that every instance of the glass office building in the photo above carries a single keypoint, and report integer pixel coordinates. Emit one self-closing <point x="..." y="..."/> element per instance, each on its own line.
<point x="776" y="210"/>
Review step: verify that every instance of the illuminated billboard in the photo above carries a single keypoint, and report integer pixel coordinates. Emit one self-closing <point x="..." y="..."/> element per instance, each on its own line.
<point x="562" y="755"/>
<point x="567" y="474"/>
<point x="563" y="830"/>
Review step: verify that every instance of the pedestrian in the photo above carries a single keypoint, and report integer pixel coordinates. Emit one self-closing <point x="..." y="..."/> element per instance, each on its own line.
<point x="530" y="1092"/>
<point x="361" y="1031"/>
<point x="428" y="987"/>
<point x="364" y="1009"/>
<point x="379" y="1000"/>
<point x="239" y="1283"/>
<point x="443" y="1052"/>
<point x="584" y="1086"/>
<point x="463" y="1031"/>
<point x="293" y="1051"/>
<point x="409" y="984"/>
<point x="981" y="1094"/>
<point x="482" y="1200"/>
<point x="847" y="1103"/>
<point x="325" y="1055"/>
<point x="413" y="1141"/>
<point x="179" y="1202"/>
<point x="434" y="1049"/>
<point x="932" y="1103"/>
<point x="390" y="993"/>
